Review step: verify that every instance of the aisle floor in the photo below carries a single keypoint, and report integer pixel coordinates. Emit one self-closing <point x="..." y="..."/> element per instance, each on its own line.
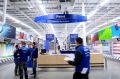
<point x="7" y="72"/>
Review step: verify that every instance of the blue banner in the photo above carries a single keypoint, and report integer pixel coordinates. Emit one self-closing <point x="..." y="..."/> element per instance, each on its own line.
<point x="73" y="38"/>
<point x="60" y="18"/>
<point x="56" y="40"/>
<point x="7" y="31"/>
<point x="49" y="37"/>
<point x="46" y="45"/>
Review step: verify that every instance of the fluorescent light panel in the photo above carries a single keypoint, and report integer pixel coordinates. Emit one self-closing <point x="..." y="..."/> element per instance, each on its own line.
<point x="103" y="3"/>
<point x="22" y="23"/>
<point x="44" y="12"/>
<point x="110" y="21"/>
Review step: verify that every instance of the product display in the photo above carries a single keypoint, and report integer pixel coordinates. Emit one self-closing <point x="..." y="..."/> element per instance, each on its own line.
<point x="116" y="49"/>
<point x="105" y="34"/>
<point x="115" y="31"/>
<point x="59" y="39"/>
<point x="95" y="37"/>
<point x="6" y="50"/>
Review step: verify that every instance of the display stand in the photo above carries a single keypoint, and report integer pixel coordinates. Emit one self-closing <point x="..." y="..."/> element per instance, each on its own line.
<point x="47" y="61"/>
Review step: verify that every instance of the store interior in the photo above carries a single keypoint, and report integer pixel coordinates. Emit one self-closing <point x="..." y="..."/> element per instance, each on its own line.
<point x="54" y="25"/>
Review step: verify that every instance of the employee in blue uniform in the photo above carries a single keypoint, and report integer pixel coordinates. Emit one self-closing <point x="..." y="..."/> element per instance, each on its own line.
<point x="81" y="61"/>
<point x="34" y="56"/>
<point x="24" y="53"/>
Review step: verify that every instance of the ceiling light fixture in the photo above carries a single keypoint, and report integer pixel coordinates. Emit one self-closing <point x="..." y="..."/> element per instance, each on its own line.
<point x="110" y="21"/>
<point x="103" y="3"/>
<point x="76" y="28"/>
<point x="20" y="30"/>
<point x="44" y="12"/>
<point x="22" y="23"/>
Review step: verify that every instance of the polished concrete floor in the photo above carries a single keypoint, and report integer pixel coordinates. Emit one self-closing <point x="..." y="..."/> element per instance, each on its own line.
<point x="112" y="72"/>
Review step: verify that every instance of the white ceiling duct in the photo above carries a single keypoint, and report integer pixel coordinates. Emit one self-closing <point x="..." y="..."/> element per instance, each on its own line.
<point x="66" y="0"/>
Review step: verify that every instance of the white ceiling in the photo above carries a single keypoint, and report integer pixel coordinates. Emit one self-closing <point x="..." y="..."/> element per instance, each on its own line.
<point x="26" y="10"/>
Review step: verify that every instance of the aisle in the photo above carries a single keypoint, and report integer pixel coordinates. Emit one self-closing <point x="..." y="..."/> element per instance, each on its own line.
<point x="7" y="72"/>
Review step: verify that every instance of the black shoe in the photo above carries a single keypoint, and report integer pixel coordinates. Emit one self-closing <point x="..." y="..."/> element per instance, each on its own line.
<point x="16" y="75"/>
<point x="26" y="77"/>
<point x="34" y="76"/>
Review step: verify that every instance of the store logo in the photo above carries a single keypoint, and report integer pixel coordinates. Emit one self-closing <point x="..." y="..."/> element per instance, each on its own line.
<point x="60" y="17"/>
<point x="50" y="37"/>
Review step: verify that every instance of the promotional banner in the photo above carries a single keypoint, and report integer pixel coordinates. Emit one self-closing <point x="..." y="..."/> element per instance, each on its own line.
<point x="49" y="37"/>
<point x="105" y="34"/>
<point x="88" y="39"/>
<point x="46" y="45"/>
<point x="17" y="35"/>
<point x="95" y="37"/>
<point x="30" y="38"/>
<point x="21" y="35"/>
<point x="73" y="38"/>
<point x="8" y="31"/>
<point x="116" y="30"/>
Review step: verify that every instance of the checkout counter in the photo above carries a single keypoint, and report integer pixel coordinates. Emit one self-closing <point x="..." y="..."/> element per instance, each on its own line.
<point x="46" y="61"/>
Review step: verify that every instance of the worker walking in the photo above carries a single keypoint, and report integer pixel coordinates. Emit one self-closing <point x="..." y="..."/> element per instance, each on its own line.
<point x="81" y="61"/>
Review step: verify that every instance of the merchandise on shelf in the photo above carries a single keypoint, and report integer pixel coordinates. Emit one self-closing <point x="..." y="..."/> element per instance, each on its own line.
<point x="6" y="50"/>
<point x="116" y="48"/>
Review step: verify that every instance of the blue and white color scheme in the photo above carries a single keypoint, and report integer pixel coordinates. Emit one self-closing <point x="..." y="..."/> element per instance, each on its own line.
<point x="115" y="31"/>
<point x="73" y="38"/>
<point x="49" y="37"/>
<point x="7" y="31"/>
<point x="60" y="18"/>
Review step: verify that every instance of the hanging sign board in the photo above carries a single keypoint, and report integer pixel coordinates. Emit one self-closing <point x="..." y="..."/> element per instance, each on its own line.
<point x="60" y="18"/>
<point x="49" y="37"/>
<point x="73" y="38"/>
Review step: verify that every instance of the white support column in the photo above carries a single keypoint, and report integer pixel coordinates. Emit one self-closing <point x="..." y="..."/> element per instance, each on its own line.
<point x="66" y="35"/>
<point x="4" y="11"/>
<point x="55" y="44"/>
<point x="84" y="25"/>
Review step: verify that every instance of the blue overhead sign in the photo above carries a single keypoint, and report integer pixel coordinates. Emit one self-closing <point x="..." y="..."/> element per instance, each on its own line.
<point x="60" y="18"/>
<point x="73" y="38"/>
<point x="49" y="37"/>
